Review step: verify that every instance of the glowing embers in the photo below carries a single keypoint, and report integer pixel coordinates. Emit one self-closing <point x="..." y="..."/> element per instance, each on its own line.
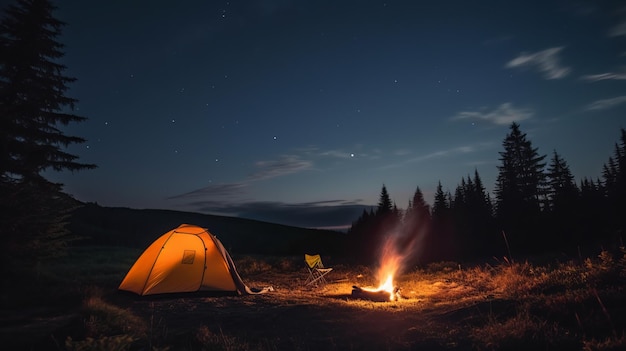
<point x="375" y="294"/>
<point x="386" y="291"/>
<point x="390" y="265"/>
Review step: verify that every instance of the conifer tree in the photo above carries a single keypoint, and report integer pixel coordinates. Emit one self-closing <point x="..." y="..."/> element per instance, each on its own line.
<point x="614" y="174"/>
<point x="593" y="213"/>
<point x="384" y="202"/>
<point x="33" y="104"/>
<point x="520" y="189"/>
<point x="33" y="109"/>
<point x="563" y="203"/>
<point x="417" y="223"/>
<point x="440" y="244"/>
<point x="441" y="204"/>
<point x="561" y="186"/>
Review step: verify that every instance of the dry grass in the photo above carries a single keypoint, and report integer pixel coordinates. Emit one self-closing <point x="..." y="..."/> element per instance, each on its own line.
<point x="516" y="306"/>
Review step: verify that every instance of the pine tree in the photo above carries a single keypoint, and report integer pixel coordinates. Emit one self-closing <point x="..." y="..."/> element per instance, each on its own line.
<point x="614" y="174"/>
<point x="473" y="218"/>
<point x="563" y="203"/>
<point x="520" y="189"/>
<point x="440" y="244"/>
<point x="441" y="204"/>
<point x="417" y="220"/>
<point x="384" y="202"/>
<point x="33" y="109"/>
<point x="562" y="189"/>
<point x="32" y="92"/>
<point x="593" y="211"/>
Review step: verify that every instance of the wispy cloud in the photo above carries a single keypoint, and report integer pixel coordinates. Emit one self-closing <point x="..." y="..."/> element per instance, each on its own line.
<point x="546" y="61"/>
<point x="504" y="114"/>
<point x="342" y="154"/>
<point x="606" y="103"/>
<point x="604" y="76"/>
<point x="287" y="164"/>
<point x="336" y="154"/>
<point x="459" y="150"/>
<point x="618" y="30"/>
<point x="443" y="153"/>
<point x="227" y="190"/>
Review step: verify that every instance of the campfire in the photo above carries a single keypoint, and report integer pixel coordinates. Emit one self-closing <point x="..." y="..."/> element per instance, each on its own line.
<point x="376" y="295"/>
<point x="390" y="265"/>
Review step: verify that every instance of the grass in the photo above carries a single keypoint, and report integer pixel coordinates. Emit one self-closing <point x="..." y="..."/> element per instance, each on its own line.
<point x="568" y="305"/>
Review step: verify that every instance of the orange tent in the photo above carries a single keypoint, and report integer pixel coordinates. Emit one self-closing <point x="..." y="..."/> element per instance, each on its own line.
<point x="186" y="259"/>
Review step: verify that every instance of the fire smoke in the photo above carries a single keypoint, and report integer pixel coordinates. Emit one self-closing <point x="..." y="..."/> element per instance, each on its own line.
<point x="399" y="248"/>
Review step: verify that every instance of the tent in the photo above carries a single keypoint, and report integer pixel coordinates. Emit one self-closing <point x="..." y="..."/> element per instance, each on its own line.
<point x="186" y="259"/>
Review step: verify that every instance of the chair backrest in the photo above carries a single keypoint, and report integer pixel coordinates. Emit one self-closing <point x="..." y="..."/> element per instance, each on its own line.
<point x="313" y="261"/>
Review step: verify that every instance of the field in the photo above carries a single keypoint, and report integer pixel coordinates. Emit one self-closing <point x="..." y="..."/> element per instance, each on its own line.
<point x="550" y="305"/>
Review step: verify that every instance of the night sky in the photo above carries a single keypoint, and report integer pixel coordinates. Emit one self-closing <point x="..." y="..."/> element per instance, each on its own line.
<point x="298" y="112"/>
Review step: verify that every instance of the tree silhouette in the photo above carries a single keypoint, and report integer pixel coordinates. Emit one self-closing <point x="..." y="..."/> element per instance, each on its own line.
<point x="440" y="244"/>
<point x="33" y="108"/>
<point x="539" y="211"/>
<point x="520" y="189"/>
<point x="592" y="214"/>
<point x="416" y="227"/>
<point x="385" y="205"/>
<point x="366" y="235"/>
<point x="32" y="92"/>
<point x="563" y="203"/>
<point x="472" y="214"/>
<point x="614" y="174"/>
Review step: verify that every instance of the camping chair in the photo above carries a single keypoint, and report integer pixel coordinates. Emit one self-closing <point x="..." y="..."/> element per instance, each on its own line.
<point x="317" y="271"/>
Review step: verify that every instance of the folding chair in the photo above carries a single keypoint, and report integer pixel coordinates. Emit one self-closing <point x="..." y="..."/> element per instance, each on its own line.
<point x="317" y="271"/>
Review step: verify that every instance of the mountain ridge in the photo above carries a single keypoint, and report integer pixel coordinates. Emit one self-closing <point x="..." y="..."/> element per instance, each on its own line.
<point x="138" y="228"/>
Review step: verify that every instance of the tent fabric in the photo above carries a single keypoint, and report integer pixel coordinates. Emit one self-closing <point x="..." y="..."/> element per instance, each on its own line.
<point x="186" y="259"/>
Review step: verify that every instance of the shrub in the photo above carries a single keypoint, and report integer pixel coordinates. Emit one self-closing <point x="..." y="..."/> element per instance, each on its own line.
<point x="104" y="343"/>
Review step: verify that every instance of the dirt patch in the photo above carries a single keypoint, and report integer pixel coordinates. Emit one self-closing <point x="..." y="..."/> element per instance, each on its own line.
<point x="478" y="308"/>
<point x="297" y="318"/>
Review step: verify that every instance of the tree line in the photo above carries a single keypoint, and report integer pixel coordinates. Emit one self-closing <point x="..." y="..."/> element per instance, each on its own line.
<point x="537" y="208"/>
<point x="537" y="205"/>
<point x="33" y="109"/>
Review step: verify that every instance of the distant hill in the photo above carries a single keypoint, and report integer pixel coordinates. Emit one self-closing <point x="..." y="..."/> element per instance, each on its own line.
<point x="139" y="228"/>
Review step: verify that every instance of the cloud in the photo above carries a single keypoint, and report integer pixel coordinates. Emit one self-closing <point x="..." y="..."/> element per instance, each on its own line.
<point x="332" y="213"/>
<point x="546" y="61"/>
<point x="287" y="164"/>
<point x="606" y="103"/>
<point x="618" y="30"/>
<point x="604" y="76"/>
<point x="505" y="114"/>
<point x="459" y="150"/>
<point x="443" y="153"/>
<point x="341" y="154"/>
<point x="227" y="190"/>
<point x="336" y="154"/>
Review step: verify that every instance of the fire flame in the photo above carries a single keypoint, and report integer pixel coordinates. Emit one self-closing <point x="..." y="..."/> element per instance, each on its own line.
<point x="390" y="265"/>
<point x="397" y="248"/>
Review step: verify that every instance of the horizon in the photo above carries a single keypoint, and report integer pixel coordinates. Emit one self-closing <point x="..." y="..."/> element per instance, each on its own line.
<point x="298" y="112"/>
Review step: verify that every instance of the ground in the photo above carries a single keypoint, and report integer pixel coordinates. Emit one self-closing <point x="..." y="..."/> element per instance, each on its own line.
<point x="295" y="317"/>
<point x="448" y="307"/>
